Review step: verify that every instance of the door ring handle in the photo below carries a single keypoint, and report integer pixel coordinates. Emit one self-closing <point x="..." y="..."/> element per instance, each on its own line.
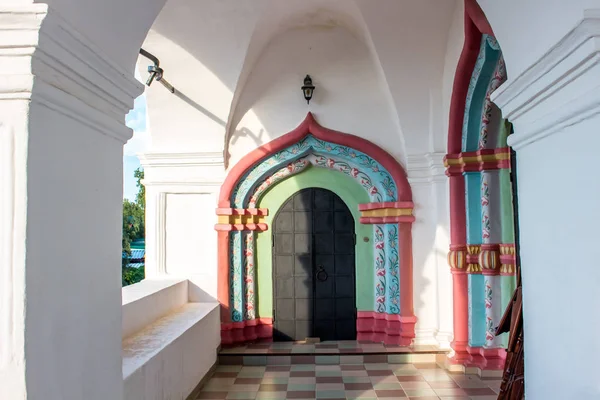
<point x="322" y="274"/>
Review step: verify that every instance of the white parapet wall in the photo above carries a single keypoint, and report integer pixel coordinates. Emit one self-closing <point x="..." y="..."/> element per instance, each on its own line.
<point x="169" y="343"/>
<point x="149" y="300"/>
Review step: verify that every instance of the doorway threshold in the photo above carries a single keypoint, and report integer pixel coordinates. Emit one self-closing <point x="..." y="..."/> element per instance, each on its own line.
<point x="329" y="352"/>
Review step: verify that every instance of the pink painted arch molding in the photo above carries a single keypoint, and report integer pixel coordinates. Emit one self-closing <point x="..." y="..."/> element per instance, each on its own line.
<point x="397" y="330"/>
<point x="311" y="127"/>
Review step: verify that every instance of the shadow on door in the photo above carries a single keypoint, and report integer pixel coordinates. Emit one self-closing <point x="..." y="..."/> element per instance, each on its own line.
<point x="314" y="288"/>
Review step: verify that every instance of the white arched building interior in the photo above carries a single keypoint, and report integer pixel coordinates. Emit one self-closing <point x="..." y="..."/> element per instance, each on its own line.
<point x="402" y="75"/>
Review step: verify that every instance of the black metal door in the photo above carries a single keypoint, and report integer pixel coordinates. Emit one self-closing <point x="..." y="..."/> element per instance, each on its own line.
<point x="313" y="268"/>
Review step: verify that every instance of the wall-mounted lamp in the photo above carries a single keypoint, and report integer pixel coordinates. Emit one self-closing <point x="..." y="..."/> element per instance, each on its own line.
<point x="308" y="89"/>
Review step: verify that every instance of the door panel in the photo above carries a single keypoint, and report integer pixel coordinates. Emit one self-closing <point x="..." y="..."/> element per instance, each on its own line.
<point x="303" y="265"/>
<point x="324" y="243"/>
<point x="285" y="222"/>
<point x="323" y="222"/>
<point x="303" y="221"/>
<point x="345" y="264"/>
<point x="314" y="268"/>
<point x="303" y="288"/>
<point x="284" y="243"/>
<point x="284" y="264"/>
<point x="344" y="287"/>
<point x="344" y="243"/>
<point x="302" y="243"/>
<point x="343" y="221"/>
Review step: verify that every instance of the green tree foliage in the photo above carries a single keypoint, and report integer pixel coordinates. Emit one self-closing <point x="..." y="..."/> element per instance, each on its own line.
<point x="140" y="198"/>
<point x="133" y="228"/>
<point x="132" y="275"/>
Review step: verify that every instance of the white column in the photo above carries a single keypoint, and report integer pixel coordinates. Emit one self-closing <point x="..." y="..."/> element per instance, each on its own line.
<point x="555" y="108"/>
<point x="442" y="244"/>
<point x="62" y="109"/>
<point x="432" y="278"/>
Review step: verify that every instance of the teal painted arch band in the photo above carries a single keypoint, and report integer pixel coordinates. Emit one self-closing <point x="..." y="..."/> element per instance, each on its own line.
<point x="368" y="172"/>
<point x="489" y="54"/>
<point x="473" y="207"/>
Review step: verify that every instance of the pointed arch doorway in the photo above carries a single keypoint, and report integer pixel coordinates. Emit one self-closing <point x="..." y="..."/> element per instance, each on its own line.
<point x="314" y="268"/>
<point x="379" y="197"/>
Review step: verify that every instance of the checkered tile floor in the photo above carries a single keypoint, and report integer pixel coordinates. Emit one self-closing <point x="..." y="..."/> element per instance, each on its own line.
<point x="359" y="381"/>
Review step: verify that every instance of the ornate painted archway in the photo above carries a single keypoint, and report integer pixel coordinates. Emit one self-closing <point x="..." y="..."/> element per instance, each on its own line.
<point x="389" y="211"/>
<point x="482" y="251"/>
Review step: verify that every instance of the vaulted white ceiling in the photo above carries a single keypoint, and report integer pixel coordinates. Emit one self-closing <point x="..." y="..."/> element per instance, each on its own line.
<point x="406" y="40"/>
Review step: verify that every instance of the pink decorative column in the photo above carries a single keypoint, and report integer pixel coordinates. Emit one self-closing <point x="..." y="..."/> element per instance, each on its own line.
<point x="407" y="312"/>
<point x="457" y="259"/>
<point x="475" y="24"/>
<point x="489" y="259"/>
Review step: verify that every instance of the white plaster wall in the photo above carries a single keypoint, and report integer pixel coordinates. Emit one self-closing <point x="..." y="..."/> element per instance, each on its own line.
<point x="555" y="109"/>
<point x="191" y="239"/>
<point x="194" y="118"/>
<point x="60" y="278"/>
<point x="73" y="271"/>
<point x="528" y="34"/>
<point x="149" y="300"/>
<point x="432" y="286"/>
<point x="424" y="264"/>
<point x="560" y="262"/>
<point x="439" y="250"/>
<point x="203" y="61"/>
<point x="349" y="94"/>
<point x="117" y="27"/>
<point x="409" y="40"/>
<point x="454" y="46"/>
<point x="403" y="43"/>
<point x="169" y="358"/>
<point x="181" y="198"/>
<point x="13" y="218"/>
<point x="440" y="253"/>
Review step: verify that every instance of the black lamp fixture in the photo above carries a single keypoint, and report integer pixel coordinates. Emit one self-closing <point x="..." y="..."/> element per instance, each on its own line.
<point x="308" y="89"/>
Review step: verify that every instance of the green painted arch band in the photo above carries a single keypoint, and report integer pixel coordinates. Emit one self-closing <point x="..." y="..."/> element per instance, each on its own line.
<point x="352" y="194"/>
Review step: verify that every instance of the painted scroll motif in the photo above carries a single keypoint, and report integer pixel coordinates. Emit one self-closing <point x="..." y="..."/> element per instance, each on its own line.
<point x="249" y="276"/>
<point x="497" y="80"/>
<point x="393" y="271"/>
<point x="380" y="275"/>
<point x="235" y="272"/>
<point x="349" y="161"/>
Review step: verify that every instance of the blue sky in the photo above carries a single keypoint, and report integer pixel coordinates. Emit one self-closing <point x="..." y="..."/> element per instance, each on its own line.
<point x="139" y="143"/>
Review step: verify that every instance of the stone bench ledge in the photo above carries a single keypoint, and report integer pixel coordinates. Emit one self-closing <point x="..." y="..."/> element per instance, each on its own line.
<point x="140" y="348"/>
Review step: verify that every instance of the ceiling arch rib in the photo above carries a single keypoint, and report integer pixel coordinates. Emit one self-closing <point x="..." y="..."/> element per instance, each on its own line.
<point x="298" y="15"/>
<point x="413" y="62"/>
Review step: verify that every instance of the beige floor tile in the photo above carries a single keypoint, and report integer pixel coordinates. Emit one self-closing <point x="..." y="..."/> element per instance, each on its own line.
<point x="450" y="392"/>
<point x="271" y="395"/>
<point x="415" y="385"/>
<point x="419" y="392"/>
<point x="384" y="379"/>
<point x="244" y="388"/>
